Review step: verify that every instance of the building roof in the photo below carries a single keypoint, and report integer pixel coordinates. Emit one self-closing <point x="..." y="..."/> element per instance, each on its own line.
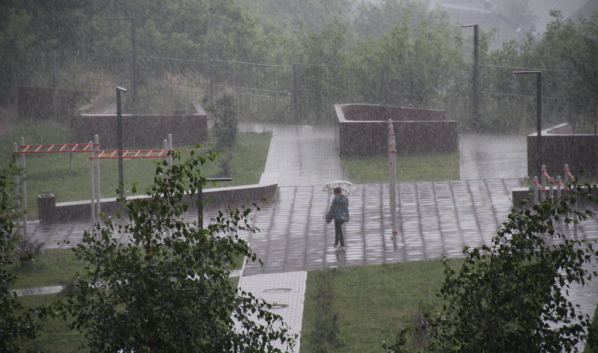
<point x="541" y="10"/>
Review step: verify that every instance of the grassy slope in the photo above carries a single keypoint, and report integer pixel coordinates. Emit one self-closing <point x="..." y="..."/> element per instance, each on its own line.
<point x="68" y="178"/>
<point x="420" y="167"/>
<point x="373" y="302"/>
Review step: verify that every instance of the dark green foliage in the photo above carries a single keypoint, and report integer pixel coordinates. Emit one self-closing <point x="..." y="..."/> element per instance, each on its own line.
<point x="510" y="297"/>
<point x="28" y="251"/>
<point x="167" y="289"/>
<point x="225" y="127"/>
<point x="15" y="322"/>
<point x="376" y="20"/>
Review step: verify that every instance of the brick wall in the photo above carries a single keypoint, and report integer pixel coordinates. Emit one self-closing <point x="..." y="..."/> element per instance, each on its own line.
<point x="559" y="147"/>
<point x="363" y="130"/>
<point x="141" y="131"/>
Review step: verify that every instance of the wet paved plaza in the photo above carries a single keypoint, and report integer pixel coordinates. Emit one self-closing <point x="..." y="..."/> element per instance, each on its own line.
<point x="434" y="218"/>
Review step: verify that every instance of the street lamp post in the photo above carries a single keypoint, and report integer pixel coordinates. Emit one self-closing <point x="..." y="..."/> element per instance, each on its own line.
<point x="475" y="93"/>
<point x="539" y="157"/>
<point x="119" y="137"/>
<point x="133" y="59"/>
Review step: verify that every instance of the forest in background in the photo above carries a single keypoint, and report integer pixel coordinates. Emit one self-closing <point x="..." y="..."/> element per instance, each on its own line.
<point x="304" y="55"/>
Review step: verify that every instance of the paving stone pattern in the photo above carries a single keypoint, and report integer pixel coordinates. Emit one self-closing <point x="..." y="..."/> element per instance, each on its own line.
<point x="286" y="291"/>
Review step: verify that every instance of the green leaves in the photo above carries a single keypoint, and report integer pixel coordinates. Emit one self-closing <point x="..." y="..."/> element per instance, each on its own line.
<point x="511" y="296"/>
<point x="15" y="322"/>
<point x="505" y="297"/>
<point x="167" y="288"/>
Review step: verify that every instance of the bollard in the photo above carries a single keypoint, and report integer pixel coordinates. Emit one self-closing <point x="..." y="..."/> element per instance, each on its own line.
<point x="170" y="161"/>
<point x="165" y="148"/>
<point x="46" y="207"/>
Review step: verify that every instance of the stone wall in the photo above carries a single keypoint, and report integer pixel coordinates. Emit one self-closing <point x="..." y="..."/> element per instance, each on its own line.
<point x="561" y="146"/>
<point x="363" y="130"/>
<point x="141" y="131"/>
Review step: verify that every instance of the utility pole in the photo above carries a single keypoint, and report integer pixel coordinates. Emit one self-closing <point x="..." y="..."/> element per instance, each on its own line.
<point x="475" y="93"/>
<point x="133" y="58"/>
<point x="540" y="160"/>
<point x="119" y="137"/>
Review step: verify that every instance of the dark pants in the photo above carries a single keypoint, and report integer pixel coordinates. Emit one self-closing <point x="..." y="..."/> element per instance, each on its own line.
<point x="338" y="233"/>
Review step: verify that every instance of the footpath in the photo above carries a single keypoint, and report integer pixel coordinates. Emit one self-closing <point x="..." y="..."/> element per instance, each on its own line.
<point x="435" y="217"/>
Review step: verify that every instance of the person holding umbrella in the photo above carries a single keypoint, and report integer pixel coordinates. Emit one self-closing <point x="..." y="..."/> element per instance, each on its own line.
<point x="340" y="213"/>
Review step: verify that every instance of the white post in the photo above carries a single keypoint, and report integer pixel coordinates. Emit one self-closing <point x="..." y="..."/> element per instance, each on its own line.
<point x="558" y="188"/>
<point x="536" y="187"/>
<point x="542" y="170"/>
<point x="17" y="185"/>
<point x="165" y="148"/>
<point x="392" y="173"/>
<point x="98" y="194"/>
<point x="91" y="177"/>
<point x="24" y="165"/>
<point x="170" y="160"/>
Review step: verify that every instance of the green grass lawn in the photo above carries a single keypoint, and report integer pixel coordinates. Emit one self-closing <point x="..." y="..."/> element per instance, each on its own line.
<point x="371" y="302"/>
<point x="67" y="176"/>
<point x="55" y="337"/>
<point x="54" y="267"/>
<point x="419" y="167"/>
<point x="57" y="267"/>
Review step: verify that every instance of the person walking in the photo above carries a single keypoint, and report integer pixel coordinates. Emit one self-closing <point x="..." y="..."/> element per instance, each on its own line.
<point x="340" y="213"/>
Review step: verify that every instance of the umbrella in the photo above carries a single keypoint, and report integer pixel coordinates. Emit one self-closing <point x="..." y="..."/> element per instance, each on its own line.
<point x="347" y="187"/>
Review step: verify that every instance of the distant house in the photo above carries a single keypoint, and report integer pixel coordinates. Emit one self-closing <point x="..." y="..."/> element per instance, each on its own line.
<point x="508" y="22"/>
<point x="570" y="9"/>
<point x="488" y="16"/>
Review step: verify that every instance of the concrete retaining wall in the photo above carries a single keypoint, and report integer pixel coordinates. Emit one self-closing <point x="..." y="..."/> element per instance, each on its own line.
<point x="363" y="130"/>
<point x="50" y="212"/>
<point x="561" y="146"/>
<point x="141" y="131"/>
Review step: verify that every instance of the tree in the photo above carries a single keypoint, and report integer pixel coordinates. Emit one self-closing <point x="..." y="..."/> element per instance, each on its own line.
<point x="226" y="124"/>
<point x="510" y="297"/>
<point x="413" y="55"/>
<point x="15" y="322"/>
<point x="167" y="288"/>
<point x="376" y="20"/>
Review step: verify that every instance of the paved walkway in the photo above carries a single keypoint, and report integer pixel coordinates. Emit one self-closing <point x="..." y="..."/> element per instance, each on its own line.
<point x="435" y="217"/>
<point x="490" y="156"/>
<point x="302" y="154"/>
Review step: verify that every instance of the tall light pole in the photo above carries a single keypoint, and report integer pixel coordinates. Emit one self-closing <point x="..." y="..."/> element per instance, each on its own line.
<point x="540" y="160"/>
<point x="119" y="137"/>
<point x="475" y="93"/>
<point x="133" y="59"/>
